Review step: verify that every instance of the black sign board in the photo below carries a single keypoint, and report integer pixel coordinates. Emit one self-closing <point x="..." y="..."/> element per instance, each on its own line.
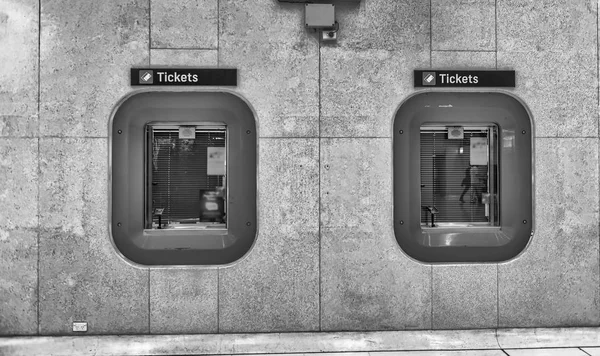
<point x="184" y="76"/>
<point x="439" y="78"/>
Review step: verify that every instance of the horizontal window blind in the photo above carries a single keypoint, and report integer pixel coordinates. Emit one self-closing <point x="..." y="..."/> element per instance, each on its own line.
<point x="179" y="172"/>
<point x="447" y="177"/>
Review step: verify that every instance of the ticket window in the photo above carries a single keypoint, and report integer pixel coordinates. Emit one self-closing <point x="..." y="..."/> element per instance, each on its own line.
<point x="459" y="175"/>
<point x="183" y="178"/>
<point x="186" y="180"/>
<point x="463" y="177"/>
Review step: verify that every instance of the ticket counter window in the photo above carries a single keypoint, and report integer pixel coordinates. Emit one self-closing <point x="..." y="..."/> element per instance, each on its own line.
<point x="186" y="177"/>
<point x="183" y="178"/>
<point x="463" y="177"/>
<point x="459" y="176"/>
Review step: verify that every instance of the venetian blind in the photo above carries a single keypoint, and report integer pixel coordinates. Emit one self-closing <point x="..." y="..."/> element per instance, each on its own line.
<point x="179" y="172"/>
<point x="445" y="174"/>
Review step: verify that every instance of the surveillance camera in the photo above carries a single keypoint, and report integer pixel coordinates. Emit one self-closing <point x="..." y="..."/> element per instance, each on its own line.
<point x="329" y="35"/>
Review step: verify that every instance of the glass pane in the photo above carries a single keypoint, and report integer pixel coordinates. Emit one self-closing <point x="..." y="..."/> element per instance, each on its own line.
<point x="186" y="179"/>
<point x="459" y="171"/>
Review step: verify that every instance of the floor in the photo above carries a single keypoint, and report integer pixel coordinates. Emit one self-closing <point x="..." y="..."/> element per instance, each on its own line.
<point x="484" y="342"/>
<point x="571" y="351"/>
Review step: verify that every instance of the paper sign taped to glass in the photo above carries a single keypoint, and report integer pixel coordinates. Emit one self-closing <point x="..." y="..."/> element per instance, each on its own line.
<point x="215" y="161"/>
<point x="479" y="151"/>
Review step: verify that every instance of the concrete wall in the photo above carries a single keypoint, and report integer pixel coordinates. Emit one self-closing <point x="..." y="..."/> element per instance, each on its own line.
<point x="325" y="257"/>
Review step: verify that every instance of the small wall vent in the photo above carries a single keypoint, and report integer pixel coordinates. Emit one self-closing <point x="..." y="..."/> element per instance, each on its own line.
<point x="456" y="133"/>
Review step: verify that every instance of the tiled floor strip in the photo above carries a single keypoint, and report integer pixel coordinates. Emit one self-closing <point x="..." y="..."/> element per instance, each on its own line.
<point x="559" y="341"/>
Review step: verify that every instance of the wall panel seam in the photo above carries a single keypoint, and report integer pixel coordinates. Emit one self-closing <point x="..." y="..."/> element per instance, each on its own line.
<point x="430" y="35"/>
<point x="431" y="294"/>
<point x="464" y="50"/>
<point x="598" y="99"/>
<point x="218" y="300"/>
<point x="70" y="137"/>
<point x="149" y="32"/>
<point x="218" y="31"/>
<point x="497" y="300"/>
<point x="565" y="137"/>
<point x="187" y="48"/>
<point x="315" y="137"/>
<point x="319" y="205"/>
<point x="497" y="266"/>
<point x="496" y="30"/>
<point x="39" y="55"/>
<point x="219" y="65"/>
<point x="149" y="304"/>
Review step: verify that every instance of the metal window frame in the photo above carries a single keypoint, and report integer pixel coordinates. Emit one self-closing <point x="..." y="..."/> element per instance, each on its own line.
<point x="467" y="244"/>
<point x="126" y="178"/>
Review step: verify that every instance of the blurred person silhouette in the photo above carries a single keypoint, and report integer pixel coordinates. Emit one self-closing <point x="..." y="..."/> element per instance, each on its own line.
<point x="466" y="182"/>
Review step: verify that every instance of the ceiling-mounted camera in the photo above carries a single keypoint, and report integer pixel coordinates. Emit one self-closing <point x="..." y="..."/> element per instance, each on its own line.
<point x="330" y="34"/>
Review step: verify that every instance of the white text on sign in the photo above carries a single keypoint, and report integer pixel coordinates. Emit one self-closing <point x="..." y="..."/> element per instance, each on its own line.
<point x="177" y="78"/>
<point x="459" y="79"/>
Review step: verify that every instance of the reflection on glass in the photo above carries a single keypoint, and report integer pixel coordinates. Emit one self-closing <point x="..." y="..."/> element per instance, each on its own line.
<point x="186" y="177"/>
<point x="508" y="138"/>
<point x="459" y="175"/>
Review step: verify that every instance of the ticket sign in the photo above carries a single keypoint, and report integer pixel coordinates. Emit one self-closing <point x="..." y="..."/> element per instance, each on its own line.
<point x="184" y="76"/>
<point x="439" y="78"/>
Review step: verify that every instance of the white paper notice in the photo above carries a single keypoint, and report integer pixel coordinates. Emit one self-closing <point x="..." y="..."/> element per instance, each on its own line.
<point x="479" y="151"/>
<point x="215" y="161"/>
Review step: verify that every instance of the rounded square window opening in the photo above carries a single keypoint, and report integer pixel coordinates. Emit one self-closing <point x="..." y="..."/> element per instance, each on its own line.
<point x="183" y="178"/>
<point x="463" y="176"/>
